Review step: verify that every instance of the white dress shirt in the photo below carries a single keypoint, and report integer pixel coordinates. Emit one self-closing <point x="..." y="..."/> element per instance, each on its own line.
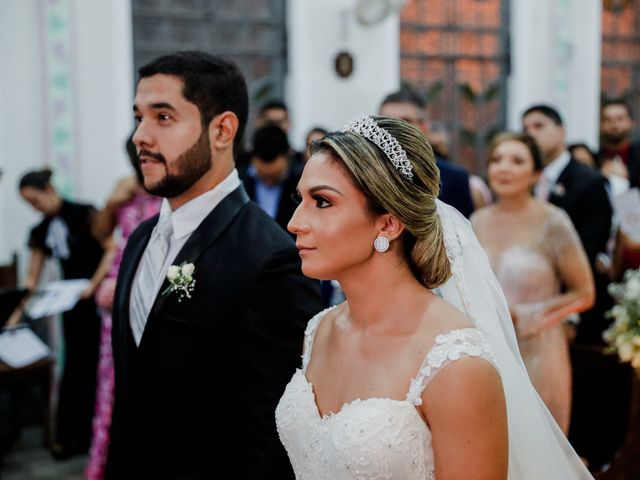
<point x="553" y="170"/>
<point x="185" y="220"/>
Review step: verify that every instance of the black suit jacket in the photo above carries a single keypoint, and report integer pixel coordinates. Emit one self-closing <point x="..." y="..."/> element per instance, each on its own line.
<point x="454" y="189"/>
<point x="286" y="205"/>
<point x="633" y="165"/>
<point x="197" y="396"/>
<point x="581" y="192"/>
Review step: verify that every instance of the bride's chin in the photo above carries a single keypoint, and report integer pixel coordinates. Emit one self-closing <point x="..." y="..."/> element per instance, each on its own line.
<point x="314" y="273"/>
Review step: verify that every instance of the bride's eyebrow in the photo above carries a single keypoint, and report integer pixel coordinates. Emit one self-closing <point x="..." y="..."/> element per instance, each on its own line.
<point x="317" y="188"/>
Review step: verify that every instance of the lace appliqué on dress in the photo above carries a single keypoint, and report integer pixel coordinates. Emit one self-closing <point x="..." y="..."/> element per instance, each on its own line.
<point x="309" y="334"/>
<point x="372" y="438"/>
<point x="449" y="347"/>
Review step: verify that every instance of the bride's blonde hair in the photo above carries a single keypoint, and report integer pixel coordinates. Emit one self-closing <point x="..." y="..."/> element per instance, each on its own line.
<point x="412" y="202"/>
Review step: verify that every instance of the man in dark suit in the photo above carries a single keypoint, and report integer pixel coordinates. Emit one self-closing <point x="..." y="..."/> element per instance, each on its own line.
<point x="600" y="384"/>
<point x="276" y="112"/>
<point x="619" y="153"/>
<point x="407" y="105"/>
<point x="202" y="359"/>
<point x="272" y="177"/>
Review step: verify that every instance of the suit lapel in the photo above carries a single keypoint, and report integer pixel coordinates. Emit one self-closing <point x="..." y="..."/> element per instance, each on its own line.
<point x="207" y="232"/>
<point x="558" y="195"/>
<point x="126" y="275"/>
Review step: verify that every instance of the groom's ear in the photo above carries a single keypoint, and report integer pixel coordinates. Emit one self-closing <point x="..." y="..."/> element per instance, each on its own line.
<point x="389" y="226"/>
<point x="222" y="130"/>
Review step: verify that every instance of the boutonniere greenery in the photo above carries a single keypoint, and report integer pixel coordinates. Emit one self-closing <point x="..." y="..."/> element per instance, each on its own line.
<point x="181" y="280"/>
<point x="559" y="190"/>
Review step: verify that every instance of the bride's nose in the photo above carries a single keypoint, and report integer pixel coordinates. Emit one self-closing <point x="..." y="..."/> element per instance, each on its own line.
<point x="296" y="225"/>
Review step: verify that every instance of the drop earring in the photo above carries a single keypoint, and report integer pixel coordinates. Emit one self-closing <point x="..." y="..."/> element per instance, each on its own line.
<point x="381" y="244"/>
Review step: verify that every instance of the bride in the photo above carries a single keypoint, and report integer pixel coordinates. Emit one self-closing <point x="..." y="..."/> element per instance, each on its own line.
<point x="417" y="375"/>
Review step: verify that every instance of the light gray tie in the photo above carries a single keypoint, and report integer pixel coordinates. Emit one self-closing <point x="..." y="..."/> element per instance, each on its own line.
<point x="143" y="294"/>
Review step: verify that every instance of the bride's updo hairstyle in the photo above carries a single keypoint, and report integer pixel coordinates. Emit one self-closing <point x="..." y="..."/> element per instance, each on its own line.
<point x="411" y="200"/>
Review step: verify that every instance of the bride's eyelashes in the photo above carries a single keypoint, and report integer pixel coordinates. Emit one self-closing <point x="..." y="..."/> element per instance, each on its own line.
<point x="321" y="202"/>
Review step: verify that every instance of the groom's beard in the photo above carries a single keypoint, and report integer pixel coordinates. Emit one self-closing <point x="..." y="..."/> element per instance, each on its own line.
<point x="190" y="166"/>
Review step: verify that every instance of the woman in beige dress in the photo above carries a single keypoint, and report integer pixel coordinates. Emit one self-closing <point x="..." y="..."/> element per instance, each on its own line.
<point x="539" y="261"/>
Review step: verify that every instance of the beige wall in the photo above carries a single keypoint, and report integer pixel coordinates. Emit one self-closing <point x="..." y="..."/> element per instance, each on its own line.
<point x="100" y="62"/>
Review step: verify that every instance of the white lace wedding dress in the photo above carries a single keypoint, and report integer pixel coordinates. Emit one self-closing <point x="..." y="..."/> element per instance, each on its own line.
<point x="372" y="438"/>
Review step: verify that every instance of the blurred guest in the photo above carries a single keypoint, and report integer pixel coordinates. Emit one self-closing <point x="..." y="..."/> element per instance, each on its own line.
<point x="540" y="264"/>
<point x="65" y="234"/>
<point x="441" y="143"/>
<point x="316" y="133"/>
<point x="600" y="385"/>
<point x="480" y="192"/>
<point x="271" y="178"/>
<point x="617" y="181"/>
<point x="408" y="105"/>
<point x="619" y="153"/>
<point x="583" y="154"/>
<point x="126" y="208"/>
<point x="275" y="112"/>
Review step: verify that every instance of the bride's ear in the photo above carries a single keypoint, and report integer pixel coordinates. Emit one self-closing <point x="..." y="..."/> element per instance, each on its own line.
<point x="389" y="226"/>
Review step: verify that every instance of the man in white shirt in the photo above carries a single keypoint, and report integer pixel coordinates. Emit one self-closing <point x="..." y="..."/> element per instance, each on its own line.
<point x="210" y="306"/>
<point x="600" y="384"/>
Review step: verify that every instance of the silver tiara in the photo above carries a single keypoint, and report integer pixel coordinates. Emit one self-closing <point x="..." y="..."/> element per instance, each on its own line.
<point x="367" y="127"/>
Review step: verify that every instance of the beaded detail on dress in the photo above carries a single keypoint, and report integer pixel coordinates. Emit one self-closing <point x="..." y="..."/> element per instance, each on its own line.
<point x="372" y="438"/>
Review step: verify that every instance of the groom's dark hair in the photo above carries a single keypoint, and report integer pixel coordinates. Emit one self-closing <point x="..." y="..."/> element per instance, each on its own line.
<point x="214" y="84"/>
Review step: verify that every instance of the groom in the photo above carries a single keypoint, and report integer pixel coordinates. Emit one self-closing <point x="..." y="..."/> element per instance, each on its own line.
<point x="201" y="361"/>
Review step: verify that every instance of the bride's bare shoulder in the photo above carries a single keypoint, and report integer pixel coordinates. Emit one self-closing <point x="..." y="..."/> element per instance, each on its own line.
<point x="445" y="317"/>
<point x="328" y="318"/>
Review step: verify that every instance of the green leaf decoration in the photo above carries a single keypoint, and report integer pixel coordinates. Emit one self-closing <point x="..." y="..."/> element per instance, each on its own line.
<point x="434" y="90"/>
<point x="467" y="92"/>
<point x="491" y="92"/>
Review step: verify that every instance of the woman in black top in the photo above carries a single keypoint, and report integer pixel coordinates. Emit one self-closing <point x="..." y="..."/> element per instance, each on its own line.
<point x="65" y="233"/>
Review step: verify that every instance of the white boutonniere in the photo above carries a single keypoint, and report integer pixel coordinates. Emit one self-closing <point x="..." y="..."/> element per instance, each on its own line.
<point x="558" y="190"/>
<point x="181" y="280"/>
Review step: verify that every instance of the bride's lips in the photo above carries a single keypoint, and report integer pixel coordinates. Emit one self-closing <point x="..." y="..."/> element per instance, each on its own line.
<point x="302" y="250"/>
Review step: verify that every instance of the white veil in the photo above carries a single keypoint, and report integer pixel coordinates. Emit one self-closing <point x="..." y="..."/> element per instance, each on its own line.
<point x="537" y="447"/>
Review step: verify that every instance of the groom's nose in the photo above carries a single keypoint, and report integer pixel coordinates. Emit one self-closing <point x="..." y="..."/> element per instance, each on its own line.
<point x="142" y="138"/>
